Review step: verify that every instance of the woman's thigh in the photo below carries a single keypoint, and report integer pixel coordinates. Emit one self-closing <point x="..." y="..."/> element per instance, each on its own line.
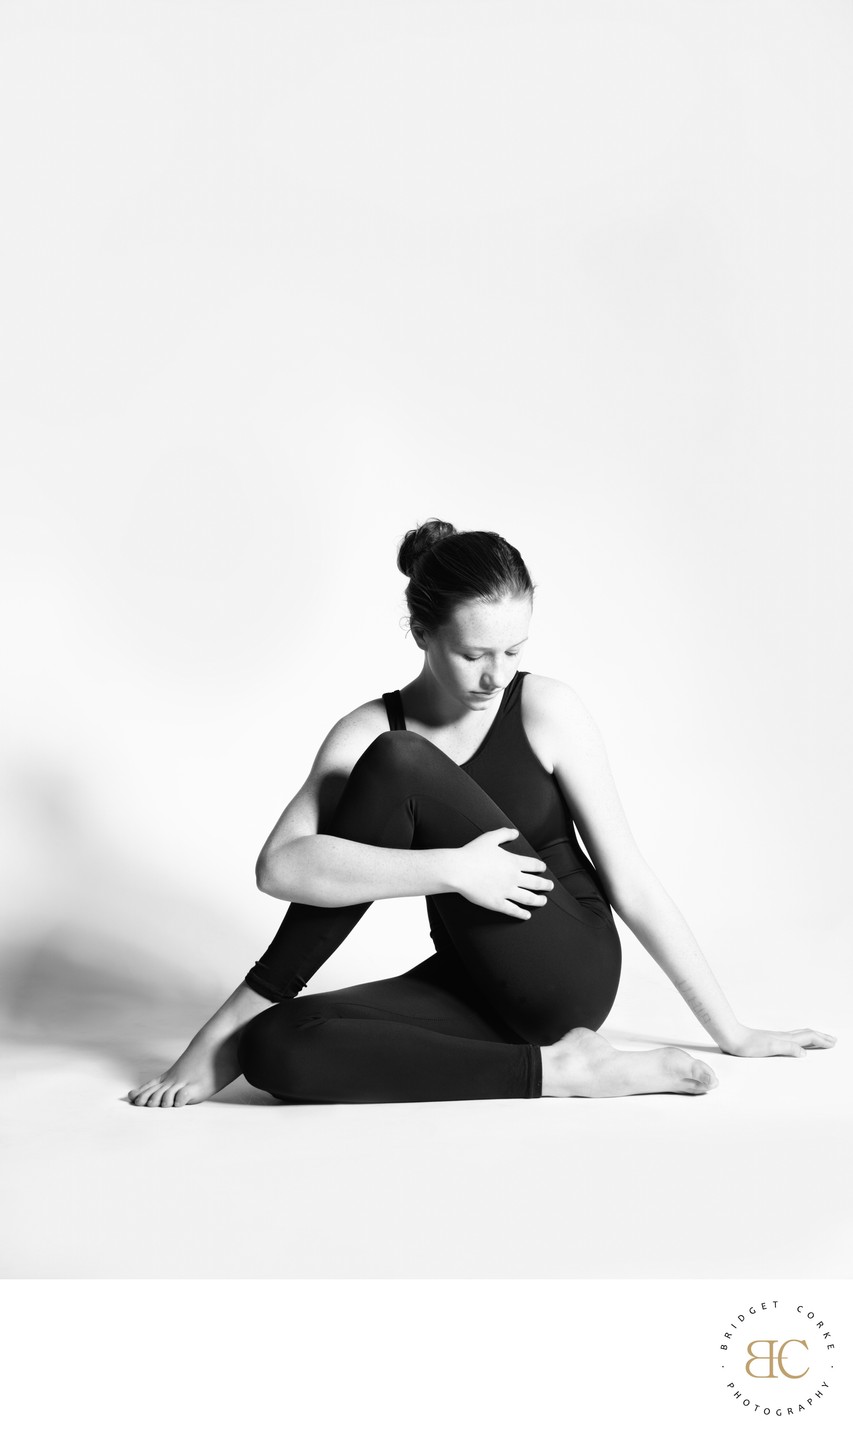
<point x="436" y="994"/>
<point x="548" y="975"/>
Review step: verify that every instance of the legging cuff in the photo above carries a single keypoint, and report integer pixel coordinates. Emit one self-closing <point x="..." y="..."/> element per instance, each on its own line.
<point x="534" y="1073"/>
<point x="256" y="980"/>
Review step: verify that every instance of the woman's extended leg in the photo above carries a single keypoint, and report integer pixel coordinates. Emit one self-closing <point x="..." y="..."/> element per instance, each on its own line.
<point x="543" y="976"/>
<point x="422" y="1035"/>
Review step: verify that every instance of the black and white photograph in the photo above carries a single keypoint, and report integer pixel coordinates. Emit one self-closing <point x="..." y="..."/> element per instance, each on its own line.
<point x="426" y="446"/>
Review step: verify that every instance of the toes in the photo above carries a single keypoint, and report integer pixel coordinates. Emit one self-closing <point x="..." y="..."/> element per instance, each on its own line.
<point x="149" y="1095"/>
<point x="163" y="1092"/>
<point x="683" y="1067"/>
<point x="700" y="1078"/>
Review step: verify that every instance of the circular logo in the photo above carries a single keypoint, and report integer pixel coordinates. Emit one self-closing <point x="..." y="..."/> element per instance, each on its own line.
<point x="777" y="1357"/>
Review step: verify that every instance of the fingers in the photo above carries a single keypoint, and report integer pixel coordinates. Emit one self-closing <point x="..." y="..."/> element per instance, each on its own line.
<point x="531" y="879"/>
<point x="528" y="898"/>
<point x="796" y="1043"/>
<point x="527" y="864"/>
<point x="773" y="1043"/>
<point x="528" y="875"/>
<point x="816" y="1040"/>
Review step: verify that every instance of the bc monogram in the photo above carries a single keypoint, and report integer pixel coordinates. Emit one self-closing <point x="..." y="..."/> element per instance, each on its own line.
<point x="772" y="1358"/>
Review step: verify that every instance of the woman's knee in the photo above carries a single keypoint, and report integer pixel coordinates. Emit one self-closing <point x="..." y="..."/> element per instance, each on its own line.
<point x="269" y="1049"/>
<point x="396" y="754"/>
<point x="543" y="1026"/>
<point x="545" y="1029"/>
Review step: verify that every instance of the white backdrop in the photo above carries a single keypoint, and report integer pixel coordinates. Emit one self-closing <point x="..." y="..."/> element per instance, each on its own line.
<point x="281" y="280"/>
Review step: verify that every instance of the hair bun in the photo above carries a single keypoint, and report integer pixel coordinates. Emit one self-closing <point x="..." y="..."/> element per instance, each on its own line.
<point x="418" y="541"/>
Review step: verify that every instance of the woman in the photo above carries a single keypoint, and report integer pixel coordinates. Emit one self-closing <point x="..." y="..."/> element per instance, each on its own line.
<point x="462" y="788"/>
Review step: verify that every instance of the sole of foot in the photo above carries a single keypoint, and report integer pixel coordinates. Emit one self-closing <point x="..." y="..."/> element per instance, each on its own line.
<point x="583" y="1063"/>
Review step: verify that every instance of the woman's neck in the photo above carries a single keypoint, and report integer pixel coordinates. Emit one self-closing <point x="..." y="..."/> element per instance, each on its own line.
<point x="428" y="704"/>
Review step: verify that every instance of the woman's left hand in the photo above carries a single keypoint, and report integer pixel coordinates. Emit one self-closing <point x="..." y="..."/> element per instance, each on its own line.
<point x="750" y="1042"/>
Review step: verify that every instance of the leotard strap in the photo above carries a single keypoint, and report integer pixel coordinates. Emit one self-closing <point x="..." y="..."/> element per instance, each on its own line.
<point x="394" y="707"/>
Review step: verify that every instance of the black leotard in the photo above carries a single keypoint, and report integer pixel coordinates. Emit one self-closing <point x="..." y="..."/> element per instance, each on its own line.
<point x="506" y="766"/>
<point x="468" y="1022"/>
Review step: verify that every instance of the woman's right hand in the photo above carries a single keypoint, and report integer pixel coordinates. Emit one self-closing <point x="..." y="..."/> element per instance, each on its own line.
<point x="500" y="880"/>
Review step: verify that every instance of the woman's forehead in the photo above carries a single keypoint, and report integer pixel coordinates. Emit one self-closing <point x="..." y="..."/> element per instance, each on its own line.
<point x="502" y="621"/>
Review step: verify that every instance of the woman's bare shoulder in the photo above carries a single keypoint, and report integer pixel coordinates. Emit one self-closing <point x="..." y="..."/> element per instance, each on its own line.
<point x="352" y="734"/>
<point x="549" y="697"/>
<point x="555" y="718"/>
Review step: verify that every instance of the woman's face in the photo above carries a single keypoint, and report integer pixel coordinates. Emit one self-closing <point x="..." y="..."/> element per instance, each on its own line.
<point x="474" y="655"/>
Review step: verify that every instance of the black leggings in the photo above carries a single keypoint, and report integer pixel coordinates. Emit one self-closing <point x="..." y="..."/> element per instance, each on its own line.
<point x="468" y="1022"/>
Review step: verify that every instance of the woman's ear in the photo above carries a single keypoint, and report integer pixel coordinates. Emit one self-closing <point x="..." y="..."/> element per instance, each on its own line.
<point x="419" y="634"/>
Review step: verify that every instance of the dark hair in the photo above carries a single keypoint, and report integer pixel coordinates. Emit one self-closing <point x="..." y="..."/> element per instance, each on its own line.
<point x="445" y="568"/>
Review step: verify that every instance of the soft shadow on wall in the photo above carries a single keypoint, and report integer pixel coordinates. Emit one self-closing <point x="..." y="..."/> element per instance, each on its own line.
<point x="114" y="963"/>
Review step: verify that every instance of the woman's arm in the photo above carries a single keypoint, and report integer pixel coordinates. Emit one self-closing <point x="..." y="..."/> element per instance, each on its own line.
<point x="562" y="725"/>
<point x="325" y="870"/>
<point x="300" y="863"/>
<point x="660" y="927"/>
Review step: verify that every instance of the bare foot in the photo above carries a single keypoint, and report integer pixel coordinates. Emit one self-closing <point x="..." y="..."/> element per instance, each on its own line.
<point x="202" y="1070"/>
<point x="584" y="1063"/>
<point x="210" y="1060"/>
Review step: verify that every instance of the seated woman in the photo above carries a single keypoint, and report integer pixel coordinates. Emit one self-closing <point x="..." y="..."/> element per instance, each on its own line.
<point x="466" y="787"/>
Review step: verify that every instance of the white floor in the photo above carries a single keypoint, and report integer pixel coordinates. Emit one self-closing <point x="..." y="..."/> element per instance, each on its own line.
<point x="749" y="1180"/>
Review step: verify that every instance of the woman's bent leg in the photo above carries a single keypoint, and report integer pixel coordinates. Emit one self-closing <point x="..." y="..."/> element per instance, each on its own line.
<point x="414" y="1037"/>
<point x="558" y="969"/>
